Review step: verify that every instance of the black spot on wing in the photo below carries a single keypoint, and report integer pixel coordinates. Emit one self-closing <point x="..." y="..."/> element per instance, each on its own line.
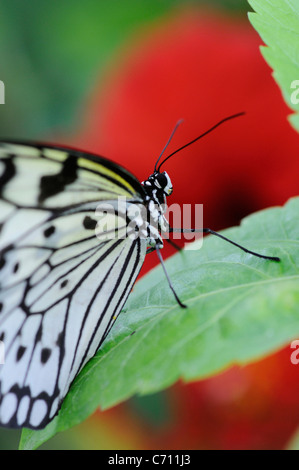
<point x="20" y="352"/>
<point x="49" y="231"/>
<point x="8" y="174"/>
<point x="60" y="340"/>
<point x="38" y="334"/>
<point x="50" y="185"/>
<point x="16" y="267"/>
<point x="89" y="223"/>
<point x="45" y="354"/>
<point x="3" y="255"/>
<point x="2" y="262"/>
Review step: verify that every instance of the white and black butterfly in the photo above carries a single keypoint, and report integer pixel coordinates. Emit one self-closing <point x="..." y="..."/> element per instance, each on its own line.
<point x="61" y="286"/>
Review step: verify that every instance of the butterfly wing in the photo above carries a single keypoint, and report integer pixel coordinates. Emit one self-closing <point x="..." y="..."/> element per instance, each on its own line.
<point x="61" y="287"/>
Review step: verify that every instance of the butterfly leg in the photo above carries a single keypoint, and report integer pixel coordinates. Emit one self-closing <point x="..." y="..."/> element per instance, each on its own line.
<point x="167" y="277"/>
<point x="212" y="232"/>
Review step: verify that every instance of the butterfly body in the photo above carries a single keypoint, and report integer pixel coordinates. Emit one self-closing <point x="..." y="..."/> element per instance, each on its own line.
<point x="157" y="187"/>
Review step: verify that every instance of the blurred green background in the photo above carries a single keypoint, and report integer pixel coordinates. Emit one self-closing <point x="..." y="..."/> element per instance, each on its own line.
<point x="52" y="53"/>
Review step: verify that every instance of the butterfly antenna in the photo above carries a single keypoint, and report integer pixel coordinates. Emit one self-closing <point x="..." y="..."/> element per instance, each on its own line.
<point x="197" y="138"/>
<point x="167" y="143"/>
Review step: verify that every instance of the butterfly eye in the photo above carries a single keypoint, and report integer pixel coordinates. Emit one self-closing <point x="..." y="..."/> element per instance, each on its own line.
<point x="161" y="181"/>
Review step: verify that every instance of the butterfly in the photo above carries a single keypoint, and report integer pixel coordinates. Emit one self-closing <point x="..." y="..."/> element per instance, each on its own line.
<point x="64" y="281"/>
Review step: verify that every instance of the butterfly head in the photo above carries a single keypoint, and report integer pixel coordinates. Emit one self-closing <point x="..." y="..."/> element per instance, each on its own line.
<point x="158" y="182"/>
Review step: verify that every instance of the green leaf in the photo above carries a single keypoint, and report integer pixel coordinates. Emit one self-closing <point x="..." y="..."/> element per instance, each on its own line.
<point x="240" y="308"/>
<point x="277" y="22"/>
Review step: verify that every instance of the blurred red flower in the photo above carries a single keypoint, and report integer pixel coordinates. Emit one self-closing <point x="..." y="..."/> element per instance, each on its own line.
<point x="202" y="68"/>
